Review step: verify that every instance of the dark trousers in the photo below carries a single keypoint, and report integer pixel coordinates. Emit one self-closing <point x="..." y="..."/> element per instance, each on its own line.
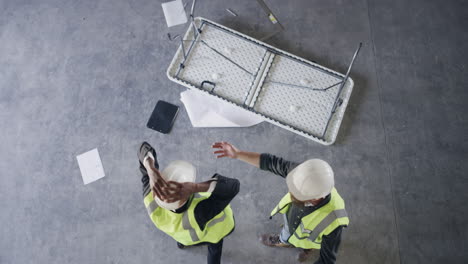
<point x="214" y="250"/>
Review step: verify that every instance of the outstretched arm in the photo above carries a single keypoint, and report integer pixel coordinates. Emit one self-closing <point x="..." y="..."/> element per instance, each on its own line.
<point x="268" y="162"/>
<point x="226" y="149"/>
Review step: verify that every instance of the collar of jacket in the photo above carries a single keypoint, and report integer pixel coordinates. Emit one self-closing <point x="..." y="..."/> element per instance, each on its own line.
<point x="184" y="207"/>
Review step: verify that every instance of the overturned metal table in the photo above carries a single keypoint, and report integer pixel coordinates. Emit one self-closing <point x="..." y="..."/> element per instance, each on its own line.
<point x="285" y="90"/>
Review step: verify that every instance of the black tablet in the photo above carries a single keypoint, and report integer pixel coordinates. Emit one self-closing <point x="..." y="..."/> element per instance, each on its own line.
<point x="163" y="117"/>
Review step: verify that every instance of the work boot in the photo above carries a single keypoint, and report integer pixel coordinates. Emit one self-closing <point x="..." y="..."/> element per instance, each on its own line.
<point x="304" y="255"/>
<point x="180" y="246"/>
<point x="273" y="240"/>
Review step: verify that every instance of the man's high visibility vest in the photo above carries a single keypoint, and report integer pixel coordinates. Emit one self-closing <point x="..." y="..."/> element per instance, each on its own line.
<point x="184" y="228"/>
<point x="316" y="224"/>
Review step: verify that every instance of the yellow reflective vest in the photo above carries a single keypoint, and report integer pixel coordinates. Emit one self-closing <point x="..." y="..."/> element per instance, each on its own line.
<point x="315" y="225"/>
<point x="184" y="228"/>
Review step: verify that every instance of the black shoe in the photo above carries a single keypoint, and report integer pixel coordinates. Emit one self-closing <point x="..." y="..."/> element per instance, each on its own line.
<point x="180" y="246"/>
<point x="305" y="255"/>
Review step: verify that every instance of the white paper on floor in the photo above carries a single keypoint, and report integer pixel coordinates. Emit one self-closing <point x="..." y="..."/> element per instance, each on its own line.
<point x="174" y="13"/>
<point x="90" y="166"/>
<point x="206" y="111"/>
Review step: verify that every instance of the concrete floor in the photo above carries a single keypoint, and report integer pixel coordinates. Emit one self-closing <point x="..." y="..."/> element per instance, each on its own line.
<point x="75" y="75"/>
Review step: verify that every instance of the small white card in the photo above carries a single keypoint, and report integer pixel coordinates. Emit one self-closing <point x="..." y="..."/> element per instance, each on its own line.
<point x="90" y="166"/>
<point x="174" y="13"/>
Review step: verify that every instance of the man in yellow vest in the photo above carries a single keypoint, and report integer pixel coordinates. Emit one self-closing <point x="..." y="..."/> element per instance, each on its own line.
<point x="313" y="212"/>
<point x="191" y="213"/>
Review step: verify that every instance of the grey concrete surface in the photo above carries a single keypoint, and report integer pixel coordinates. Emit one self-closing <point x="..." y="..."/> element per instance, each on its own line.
<point x="75" y="75"/>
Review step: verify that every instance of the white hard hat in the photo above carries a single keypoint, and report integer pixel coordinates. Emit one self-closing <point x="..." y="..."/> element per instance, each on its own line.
<point x="178" y="171"/>
<point x="312" y="179"/>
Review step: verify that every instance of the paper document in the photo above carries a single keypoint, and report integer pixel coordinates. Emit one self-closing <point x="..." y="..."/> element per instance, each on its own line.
<point x="206" y="111"/>
<point x="90" y="166"/>
<point x="174" y="13"/>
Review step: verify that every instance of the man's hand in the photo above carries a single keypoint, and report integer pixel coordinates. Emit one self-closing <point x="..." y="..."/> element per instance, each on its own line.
<point x="226" y="150"/>
<point x="158" y="184"/>
<point x="179" y="191"/>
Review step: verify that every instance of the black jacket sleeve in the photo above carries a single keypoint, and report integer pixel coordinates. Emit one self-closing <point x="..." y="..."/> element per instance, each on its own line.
<point x="329" y="247"/>
<point x="226" y="189"/>
<point x="277" y="165"/>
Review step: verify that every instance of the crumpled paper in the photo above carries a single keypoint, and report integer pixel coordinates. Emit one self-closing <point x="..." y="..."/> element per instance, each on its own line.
<point x="206" y="111"/>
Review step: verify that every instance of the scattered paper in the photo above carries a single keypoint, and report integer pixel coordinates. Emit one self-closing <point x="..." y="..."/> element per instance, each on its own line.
<point x="206" y="111"/>
<point x="90" y="166"/>
<point x="174" y="13"/>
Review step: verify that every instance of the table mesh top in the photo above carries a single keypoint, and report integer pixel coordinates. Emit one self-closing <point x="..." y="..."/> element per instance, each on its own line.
<point x="286" y="90"/>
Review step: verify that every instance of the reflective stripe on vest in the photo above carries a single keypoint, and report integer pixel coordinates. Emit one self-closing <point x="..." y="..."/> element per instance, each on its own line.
<point x="316" y="224"/>
<point x="151" y="207"/>
<point x="184" y="228"/>
<point x="185" y="218"/>
<point x="186" y="225"/>
<point x="313" y="234"/>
